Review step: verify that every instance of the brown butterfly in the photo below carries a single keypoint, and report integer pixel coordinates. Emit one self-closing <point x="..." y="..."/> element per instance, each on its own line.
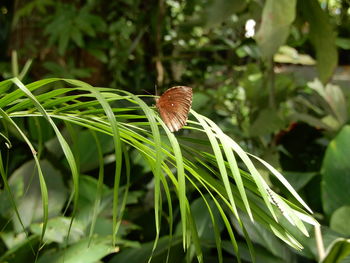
<point x="174" y="105"/>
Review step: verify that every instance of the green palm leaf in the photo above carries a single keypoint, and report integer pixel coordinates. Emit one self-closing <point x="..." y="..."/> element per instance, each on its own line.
<point x="217" y="168"/>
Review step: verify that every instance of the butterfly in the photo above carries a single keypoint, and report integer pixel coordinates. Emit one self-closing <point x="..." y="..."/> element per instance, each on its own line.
<point x="174" y="105"/>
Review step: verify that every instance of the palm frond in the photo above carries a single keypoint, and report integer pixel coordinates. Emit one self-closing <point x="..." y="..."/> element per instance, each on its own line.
<point x="213" y="167"/>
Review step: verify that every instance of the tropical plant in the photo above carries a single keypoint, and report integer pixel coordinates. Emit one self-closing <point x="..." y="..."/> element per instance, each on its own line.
<point x="181" y="165"/>
<point x="274" y="92"/>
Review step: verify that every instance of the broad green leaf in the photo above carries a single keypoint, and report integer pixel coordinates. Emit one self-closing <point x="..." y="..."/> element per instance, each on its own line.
<point x="22" y="252"/>
<point x="203" y="220"/>
<point x="337" y="251"/>
<point x="218" y="10"/>
<point x="334" y="97"/>
<point x="340" y="220"/>
<point x="141" y="253"/>
<point x="277" y="17"/>
<point x="81" y="252"/>
<point x="88" y="150"/>
<point x="29" y="198"/>
<point x="336" y="172"/>
<point x="322" y="36"/>
<point x="266" y="123"/>
<point x="343" y="43"/>
<point x="287" y="54"/>
<point x="87" y="199"/>
<point x="57" y="230"/>
<point x="299" y="179"/>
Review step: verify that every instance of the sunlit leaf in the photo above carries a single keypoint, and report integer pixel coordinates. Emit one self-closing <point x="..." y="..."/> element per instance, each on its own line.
<point x="277" y="17"/>
<point x="322" y="36"/>
<point x="336" y="173"/>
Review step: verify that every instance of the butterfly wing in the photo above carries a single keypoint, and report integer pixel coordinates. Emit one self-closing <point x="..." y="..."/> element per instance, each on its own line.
<point x="174" y="105"/>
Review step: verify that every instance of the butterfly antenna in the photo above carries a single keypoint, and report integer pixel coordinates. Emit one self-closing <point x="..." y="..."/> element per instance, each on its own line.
<point x="147" y="92"/>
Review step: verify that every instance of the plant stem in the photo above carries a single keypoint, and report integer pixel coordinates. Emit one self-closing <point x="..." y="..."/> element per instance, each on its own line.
<point x="271" y="83"/>
<point x="319" y="242"/>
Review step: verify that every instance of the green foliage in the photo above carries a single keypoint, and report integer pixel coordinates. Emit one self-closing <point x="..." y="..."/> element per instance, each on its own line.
<point x="224" y="190"/>
<point x="70" y="25"/>
<point x="270" y="37"/>
<point x="322" y="37"/>
<point x="335" y="173"/>
<point x="338" y="251"/>
<point x="216" y="12"/>
<point x="90" y="167"/>
<point x="339" y="219"/>
<point x="68" y="70"/>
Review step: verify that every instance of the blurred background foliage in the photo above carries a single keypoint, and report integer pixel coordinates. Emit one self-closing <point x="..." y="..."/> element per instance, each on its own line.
<point x="274" y="75"/>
